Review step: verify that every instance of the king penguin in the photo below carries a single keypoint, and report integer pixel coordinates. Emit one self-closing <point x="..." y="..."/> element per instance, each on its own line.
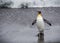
<point x="40" y="23"/>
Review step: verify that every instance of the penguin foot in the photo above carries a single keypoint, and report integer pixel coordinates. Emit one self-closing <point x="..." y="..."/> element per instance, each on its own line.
<point x="40" y="34"/>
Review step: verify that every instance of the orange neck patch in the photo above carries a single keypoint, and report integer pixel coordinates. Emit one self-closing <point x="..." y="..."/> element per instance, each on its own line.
<point x="39" y="15"/>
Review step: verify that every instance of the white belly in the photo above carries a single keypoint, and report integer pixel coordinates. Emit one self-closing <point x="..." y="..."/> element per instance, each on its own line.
<point x="40" y="24"/>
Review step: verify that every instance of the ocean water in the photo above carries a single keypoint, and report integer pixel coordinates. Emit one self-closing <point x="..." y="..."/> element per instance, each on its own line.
<point x="32" y="3"/>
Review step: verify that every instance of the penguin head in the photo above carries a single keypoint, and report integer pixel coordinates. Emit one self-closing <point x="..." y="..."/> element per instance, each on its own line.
<point x="39" y="13"/>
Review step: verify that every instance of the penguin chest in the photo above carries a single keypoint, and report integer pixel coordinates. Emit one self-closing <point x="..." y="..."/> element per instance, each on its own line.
<point x="40" y="23"/>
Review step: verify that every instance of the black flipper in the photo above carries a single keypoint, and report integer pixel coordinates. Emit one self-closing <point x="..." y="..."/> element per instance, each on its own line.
<point x="47" y="22"/>
<point x="33" y="22"/>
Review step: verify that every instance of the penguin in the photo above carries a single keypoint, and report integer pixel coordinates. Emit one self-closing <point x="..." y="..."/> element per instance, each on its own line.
<point x="40" y="23"/>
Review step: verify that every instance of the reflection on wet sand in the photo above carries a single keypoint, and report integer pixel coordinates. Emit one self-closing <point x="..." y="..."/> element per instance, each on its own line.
<point x="41" y="37"/>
